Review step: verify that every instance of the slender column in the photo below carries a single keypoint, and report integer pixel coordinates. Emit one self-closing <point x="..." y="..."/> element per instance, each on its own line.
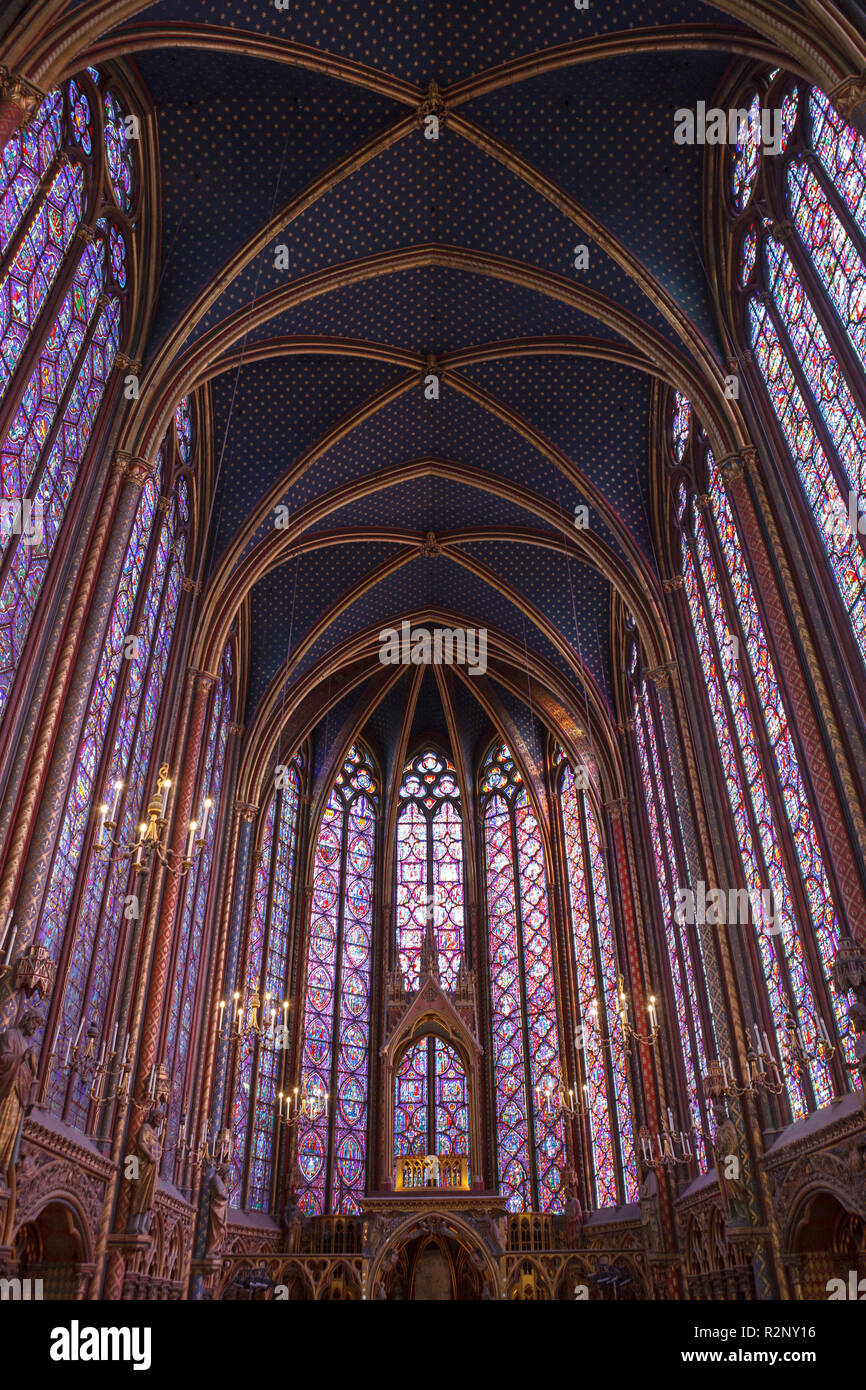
<point x="43" y="795"/>
<point x="830" y="809"/>
<point x="151" y="998"/>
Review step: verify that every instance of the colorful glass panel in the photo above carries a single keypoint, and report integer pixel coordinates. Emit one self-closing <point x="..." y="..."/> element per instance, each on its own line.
<point x="26" y="160"/>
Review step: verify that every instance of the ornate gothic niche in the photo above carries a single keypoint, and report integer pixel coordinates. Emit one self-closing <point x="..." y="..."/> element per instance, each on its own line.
<point x="450" y="1018"/>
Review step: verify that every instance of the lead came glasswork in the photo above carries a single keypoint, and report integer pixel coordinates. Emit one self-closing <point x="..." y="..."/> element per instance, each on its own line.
<point x="332" y="1146"/>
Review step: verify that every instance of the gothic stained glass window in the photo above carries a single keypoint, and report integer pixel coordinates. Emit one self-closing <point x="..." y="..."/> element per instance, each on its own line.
<point x="255" y="1111"/>
<point x="332" y="1141"/>
<point x="429" y="868"/>
<point x="603" y="1060"/>
<point x="70" y="302"/>
<point x="530" y="1141"/>
<point x="190" y="939"/>
<point x="726" y="619"/>
<point x="431" y="1101"/>
<point x="121" y="720"/>
<point x="682" y="940"/>
<point x="803" y="305"/>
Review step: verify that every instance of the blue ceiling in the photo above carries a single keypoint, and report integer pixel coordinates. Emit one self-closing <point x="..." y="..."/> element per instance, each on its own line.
<point x="241" y="136"/>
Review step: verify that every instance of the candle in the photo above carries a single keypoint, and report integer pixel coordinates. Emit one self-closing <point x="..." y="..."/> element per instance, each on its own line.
<point x="118" y="788"/>
<point x="768" y="1047"/>
<point x="6" y="930"/>
<point x="126" y="1049"/>
<point x="207" y="805"/>
<point x="102" y="1053"/>
<point x="192" y="829"/>
<point x="670" y="1120"/>
<point x="166" y="788"/>
<point x="758" y="1040"/>
<point x="652" y="1010"/>
<point x="141" y="833"/>
<point x="7" y="959"/>
<point x="68" y="1050"/>
<point x="103" y="812"/>
<point x="113" y="1047"/>
<point x="80" y="1028"/>
<point x="724" y="1075"/>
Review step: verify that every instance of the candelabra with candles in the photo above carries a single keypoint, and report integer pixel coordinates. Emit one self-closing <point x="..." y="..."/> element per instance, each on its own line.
<point x="666" y="1142"/>
<point x="311" y="1101"/>
<point x="32" y="971"/>
<point x="554" y="1098"/>
<point x="254" y="1016"/>
<point x="106" y="1075"/>
<point x="802" y="1052"/>
<point x="148" y="843"/>
<point x="215" y="1148"/>
<point x="630" y="1034"/>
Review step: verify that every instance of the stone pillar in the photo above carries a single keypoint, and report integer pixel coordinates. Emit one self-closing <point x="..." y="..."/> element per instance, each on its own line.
<point x="43" y="795"/>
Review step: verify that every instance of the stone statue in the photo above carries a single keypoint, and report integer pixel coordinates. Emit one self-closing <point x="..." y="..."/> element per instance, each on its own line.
<point x="147" y="1151"/>
<point x="291" y="1212"/>
<point x="431" y="1170"/>
<point x="726" y="1151"/>
<point x="217" y="1216"/>
<point x="18" y="1066"/>
<point x="573" y="1215"/>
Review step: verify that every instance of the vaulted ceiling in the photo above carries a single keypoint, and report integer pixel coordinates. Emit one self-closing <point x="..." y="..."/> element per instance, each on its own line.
<point x="409" y="255"/>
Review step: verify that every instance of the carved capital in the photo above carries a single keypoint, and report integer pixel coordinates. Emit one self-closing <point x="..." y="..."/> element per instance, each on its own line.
<point x="236" y="729"/>
<point x="88" y="235"/>
<point x="616" y="809"/>
<point x="127" y="364"/>
<point x="163" y="504"/>
<point x="21" y="92"/>
<point x="202" y="680"/>
<point x="627" y="726"/>
<point x="432" y="104"/>
<point x="672" y="584"/>
<point x="135" y="469"/>
<point x="246" y="810"/>
<point x="848" y="95"/>
<point x="190" y="586"/>
<point x="661" y="676"/>
<point x="703" y="500"/>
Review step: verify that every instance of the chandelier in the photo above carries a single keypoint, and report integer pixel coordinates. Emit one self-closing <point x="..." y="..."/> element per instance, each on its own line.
<point x="148" y="843"/>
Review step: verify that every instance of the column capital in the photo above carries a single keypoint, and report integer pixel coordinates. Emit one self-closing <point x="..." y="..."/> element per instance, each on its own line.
<point x="661" y="676"/>
<point x="246" y="810"/>
<point x="236" y="729"/>
<point x="733" y="466"/>
<point x="134" y="468"/>
<point x="617" y="807"/>
<point x="129" y="364"/>
<point x="672" y="583"/>
<point x="202" y="680"/>
<point x="20" y="91"/>
<point x="190" y="586"/>
<point x="848" y="95"/>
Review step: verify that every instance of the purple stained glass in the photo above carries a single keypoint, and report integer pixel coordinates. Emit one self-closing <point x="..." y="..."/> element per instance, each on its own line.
<point x="522" y="992"/>
<point x="183" y="429"/>
<point x="79" y="117"/>
<point x="34" y="266"/>
<point x="429" y="867"/>
<point x="832" y="250"/>
<point x="746" y="154"/>
<point x="748" y="254"/>
<point x="118" y="151"/>
<point x="24" y="577"/>
<point x="26" y="160"/>
<point x="842" y="153"/>
<point x="681" y="424"/>
<point x="336" y="1029"/>
<point x="117" y="251"/>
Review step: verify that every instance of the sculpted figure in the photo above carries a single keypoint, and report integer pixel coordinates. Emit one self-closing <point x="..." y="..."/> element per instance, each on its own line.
<point x="218" y="1208"/>
<point x="726" y="1149"/>
<point x="18" y="1064"/>
<point x="147" y="1151"/>
<point x="431" y="1170"/>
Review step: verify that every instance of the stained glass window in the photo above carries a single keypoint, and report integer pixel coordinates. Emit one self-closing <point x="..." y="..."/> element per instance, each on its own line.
<point x="602" y="1060"/>
<point x="682" y="939"/>
<point x="791" y="903"/>
<point x="803" y="307"/>
<point x="68" y="301"/>
<point x="116" y="746"/>
<point x="262" y="1052"/>
<point x="530" y="1140"/>
<point x="332" y="1142"/>
<point x="431" y="1101"/>
<point x="429" y="868"/>
<point x="189" y="943"/>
